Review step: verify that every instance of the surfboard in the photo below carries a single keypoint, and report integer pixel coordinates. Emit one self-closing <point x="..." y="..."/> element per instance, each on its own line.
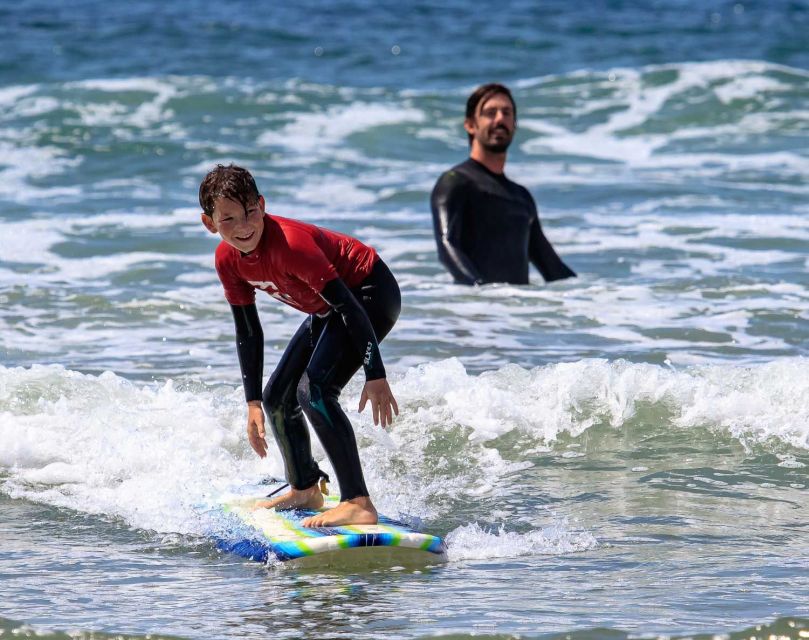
<point x="279" y="535"/>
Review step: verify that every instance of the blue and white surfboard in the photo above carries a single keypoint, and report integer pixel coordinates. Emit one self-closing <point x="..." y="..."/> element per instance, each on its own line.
<point x="279" y="535"/>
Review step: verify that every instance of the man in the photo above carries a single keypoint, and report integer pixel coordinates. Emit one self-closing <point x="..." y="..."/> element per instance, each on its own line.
<point x="486" y="226"/>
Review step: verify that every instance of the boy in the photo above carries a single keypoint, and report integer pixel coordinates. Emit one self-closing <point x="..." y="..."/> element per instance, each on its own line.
<point x="352" y="300"/>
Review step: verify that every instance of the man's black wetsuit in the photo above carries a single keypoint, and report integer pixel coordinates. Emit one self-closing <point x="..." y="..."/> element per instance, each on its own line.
<point x="487" y="228"/>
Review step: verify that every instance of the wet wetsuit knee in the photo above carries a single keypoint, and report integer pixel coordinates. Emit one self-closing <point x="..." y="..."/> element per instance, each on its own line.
<point x="320" y="401"/>
<point x="487" y="228"/>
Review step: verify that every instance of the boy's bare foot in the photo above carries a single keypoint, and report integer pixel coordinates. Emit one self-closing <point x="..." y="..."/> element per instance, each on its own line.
<point x="355" y="511"/>
<point x="310" y="498"/>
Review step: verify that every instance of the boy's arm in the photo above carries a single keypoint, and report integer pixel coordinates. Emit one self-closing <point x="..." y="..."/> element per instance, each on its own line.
<point x="376" y="389"/>
<point x="250" y="349"/>
<point x="356" y="320"/>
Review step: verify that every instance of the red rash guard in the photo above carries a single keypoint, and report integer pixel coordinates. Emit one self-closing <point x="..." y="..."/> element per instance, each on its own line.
<point x="293" y="262"/>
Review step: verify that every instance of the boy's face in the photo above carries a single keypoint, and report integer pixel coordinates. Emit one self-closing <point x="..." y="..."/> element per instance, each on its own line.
<point x="239" y="228"/>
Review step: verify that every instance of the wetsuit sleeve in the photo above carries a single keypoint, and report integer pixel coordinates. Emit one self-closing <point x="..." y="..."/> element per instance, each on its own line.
<point x="542" y="254"/>
<point x="447" y="202"/>
<point x="250" y="348"/>
<point x="237" y="291"/>
<point x="356" y="320"/>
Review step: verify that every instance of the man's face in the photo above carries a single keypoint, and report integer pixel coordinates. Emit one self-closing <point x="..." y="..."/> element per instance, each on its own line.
<point x="238" y="227"/>
<point x="494" y="125"/>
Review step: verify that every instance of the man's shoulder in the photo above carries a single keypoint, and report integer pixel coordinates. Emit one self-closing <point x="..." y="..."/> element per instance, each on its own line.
<point x="521" y="190"/>
<point x="457" y="176"/>
<point x="513" y="190"/>
<point x="466" y="170"/>
<point x="473" y="173"/>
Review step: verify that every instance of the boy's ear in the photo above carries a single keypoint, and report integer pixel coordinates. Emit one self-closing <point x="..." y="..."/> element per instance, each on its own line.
<point x="207" y="220"/>
<point x="262" y="204"/>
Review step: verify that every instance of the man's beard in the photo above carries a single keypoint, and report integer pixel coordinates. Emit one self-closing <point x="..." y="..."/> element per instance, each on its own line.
<point x="498" y="147"/>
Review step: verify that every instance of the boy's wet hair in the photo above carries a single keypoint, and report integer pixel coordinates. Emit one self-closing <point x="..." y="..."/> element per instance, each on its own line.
<point x="231" y="182"/>
<point x="481" y="95"/>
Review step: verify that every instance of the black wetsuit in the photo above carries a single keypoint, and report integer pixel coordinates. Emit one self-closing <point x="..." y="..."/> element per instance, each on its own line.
<point x="487" y="228"/>
<point x="321" y="358"/>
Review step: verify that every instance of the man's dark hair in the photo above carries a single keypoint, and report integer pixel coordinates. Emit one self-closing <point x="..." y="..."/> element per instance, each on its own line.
<point x="481" y="95"/>
<point x="231" y="182"/>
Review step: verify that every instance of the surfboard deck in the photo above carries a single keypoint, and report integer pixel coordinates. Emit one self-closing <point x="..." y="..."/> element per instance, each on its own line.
<point x="280" y="535"/>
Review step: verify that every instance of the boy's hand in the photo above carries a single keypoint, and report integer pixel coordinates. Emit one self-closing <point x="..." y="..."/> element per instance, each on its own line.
<point x="382" y="401"/>
<point x="255" y="428"/>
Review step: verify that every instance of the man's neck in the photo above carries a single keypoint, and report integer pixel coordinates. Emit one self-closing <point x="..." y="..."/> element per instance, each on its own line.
<point x="494" y="162"/>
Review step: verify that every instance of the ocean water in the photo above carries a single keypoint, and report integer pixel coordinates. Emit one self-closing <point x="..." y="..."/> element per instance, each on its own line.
<point x="625" y="454"/>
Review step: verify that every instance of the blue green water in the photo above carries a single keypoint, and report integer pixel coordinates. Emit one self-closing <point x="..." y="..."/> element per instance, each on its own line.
<point x="625" y="452"/>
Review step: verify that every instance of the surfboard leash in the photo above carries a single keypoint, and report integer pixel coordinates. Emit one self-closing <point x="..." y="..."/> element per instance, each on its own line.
<point x="281" y="488"/>
<point x="324" y="486"/>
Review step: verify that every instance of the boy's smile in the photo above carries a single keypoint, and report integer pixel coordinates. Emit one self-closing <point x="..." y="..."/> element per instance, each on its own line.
<point x="238" y="227"/>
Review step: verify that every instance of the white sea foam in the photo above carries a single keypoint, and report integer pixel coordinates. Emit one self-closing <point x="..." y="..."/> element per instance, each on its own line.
<point x="28" y="241"/>
<point x="12" y="94"/>
<point x="755" y="403"/>
<point x="473" y="542"/>
<point x="633" y="102"/>
<point x="33" y="106"/>
<point x="153" y="454"/>
<point x="145" y="114"/>
<point x="102" y="445"/>
<point x="334" y="192"/>
<point x="124" y="85"/>
<point x="18" y="164"/>
<point x="31" y="241"/>
<point x="308" y="132"/>
<point x="600" y="233"/>
<point x="745" y="87"/>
